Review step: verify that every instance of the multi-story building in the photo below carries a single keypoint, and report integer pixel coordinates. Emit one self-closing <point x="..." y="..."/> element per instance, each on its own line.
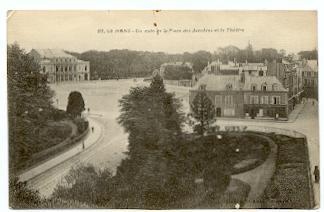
<point x="61" y="66"/>
<point x="244" y="95"/>
<point x="308" y="70"/>
<point x="287" y="73"/>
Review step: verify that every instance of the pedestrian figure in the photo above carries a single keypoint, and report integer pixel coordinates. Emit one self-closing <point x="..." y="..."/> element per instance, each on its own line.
<point x="316" y="174"/>
<point x="88" y="109"/>
<point x="92" y="128"/>
<point x="83" y="145"/>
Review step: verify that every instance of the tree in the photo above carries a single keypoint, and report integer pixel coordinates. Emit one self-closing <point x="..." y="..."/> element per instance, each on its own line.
<point x="309" y="55"/>
<point x="20" y="196"/>
<point x="200" y="60"/>
<point x="75" y="104"/>
<point x="29" y="104"/>
<point x="150" y="176"/>
<point x="203" y="111"/>
<point x="148" y="114"/>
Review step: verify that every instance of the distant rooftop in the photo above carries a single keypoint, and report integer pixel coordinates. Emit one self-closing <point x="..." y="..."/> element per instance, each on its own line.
<point x="52" y="53"/>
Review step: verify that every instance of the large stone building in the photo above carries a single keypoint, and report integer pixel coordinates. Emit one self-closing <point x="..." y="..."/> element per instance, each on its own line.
<point x="61" y="66"/>
<point x="244" y="95"/>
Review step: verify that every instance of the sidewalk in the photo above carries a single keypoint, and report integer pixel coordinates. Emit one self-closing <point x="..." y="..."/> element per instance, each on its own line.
<point x="292" y="117"/>
<point x="89" y="140"/>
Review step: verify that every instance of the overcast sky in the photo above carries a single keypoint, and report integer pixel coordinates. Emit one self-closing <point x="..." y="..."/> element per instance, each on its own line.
<point x="78" y="30"/>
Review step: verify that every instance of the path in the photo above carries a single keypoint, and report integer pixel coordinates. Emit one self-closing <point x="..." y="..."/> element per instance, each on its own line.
<point x="89" y="140"/>
<point x="259" y="177"/>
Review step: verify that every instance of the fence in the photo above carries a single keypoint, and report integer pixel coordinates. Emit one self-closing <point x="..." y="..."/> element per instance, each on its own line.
<point x="291" y="133"/>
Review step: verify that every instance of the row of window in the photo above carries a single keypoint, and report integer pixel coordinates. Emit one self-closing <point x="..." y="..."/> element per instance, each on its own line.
<point x="264" y="87"/>
<point x="66" y="68"/>
<point x="65" y="60"/>
<point x="309" y="73"/>
<point x="228" y="100"/>
<point x="274" y="100"/>
<point x="310" y="82"/>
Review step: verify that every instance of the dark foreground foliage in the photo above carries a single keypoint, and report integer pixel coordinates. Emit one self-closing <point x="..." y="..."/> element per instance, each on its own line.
<point x="290" y="186"/>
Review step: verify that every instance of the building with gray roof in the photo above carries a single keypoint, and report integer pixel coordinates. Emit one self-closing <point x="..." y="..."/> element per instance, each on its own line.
<point x="59" y="66"/>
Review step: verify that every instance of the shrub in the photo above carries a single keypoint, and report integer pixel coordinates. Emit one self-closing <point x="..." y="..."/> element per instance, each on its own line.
<point x="20" y="196"/>
<point x="86" y="184"/>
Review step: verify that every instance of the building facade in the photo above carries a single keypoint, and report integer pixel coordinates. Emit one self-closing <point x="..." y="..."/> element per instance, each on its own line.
<point x="287" y="73"/>
<point x="60" y="66"/>
<point x="308" y="70"/>
<point x="244" y="95"/>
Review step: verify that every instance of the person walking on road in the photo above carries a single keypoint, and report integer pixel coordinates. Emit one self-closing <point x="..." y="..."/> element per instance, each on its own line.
<point x="316" y="174"/>
<point x="92" y="129"/>
<point x="83" y="146"/>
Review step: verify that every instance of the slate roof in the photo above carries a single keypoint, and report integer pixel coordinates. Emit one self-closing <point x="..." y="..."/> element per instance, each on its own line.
<point x="220" y="82"/>
<point x="53" y="53"/>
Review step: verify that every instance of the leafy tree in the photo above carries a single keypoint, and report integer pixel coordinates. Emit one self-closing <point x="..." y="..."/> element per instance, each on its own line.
<point x="309" y="55"/>
<point x="177" y="72"/>
<point x="75" y="104"/>
<point x="149" y="113"/>
<point x="203" y="111"/>
<point x="200" y="60"/>
<point x="29" y="104"/>
<point x="150" y="176"/>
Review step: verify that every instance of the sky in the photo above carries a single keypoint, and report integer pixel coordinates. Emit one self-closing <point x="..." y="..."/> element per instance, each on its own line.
<point x="81" y="31"/>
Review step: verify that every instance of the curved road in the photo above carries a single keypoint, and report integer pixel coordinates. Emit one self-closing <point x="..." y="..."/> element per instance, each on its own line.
<point x="106" y="146"/>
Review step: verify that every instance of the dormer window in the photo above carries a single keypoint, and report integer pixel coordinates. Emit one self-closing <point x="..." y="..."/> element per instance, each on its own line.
<point x="253" y="87"/>
<point x="264" y="87"/>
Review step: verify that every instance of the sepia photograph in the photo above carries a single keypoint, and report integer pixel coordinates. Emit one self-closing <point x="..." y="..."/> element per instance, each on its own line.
<point x="163" y="109"/>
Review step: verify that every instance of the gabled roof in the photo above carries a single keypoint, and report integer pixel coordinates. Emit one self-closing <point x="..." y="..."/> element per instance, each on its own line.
<point x="52" y="53"/>
<point x="218" y="82"/>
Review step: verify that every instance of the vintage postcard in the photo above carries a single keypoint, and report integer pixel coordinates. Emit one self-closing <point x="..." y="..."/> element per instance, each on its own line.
<point x="163" y="109"/>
